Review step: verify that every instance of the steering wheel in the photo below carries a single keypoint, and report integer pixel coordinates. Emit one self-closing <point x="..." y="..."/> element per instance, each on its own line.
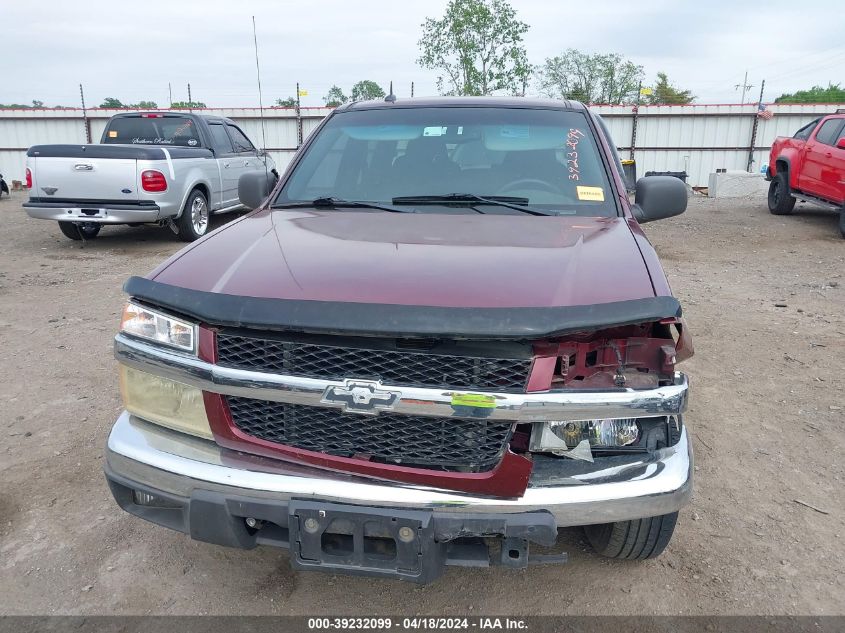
<point x="534" y="182"/>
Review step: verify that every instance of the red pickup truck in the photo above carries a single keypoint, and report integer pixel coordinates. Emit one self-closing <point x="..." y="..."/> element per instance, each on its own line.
<point x="810" y="166"/>
<point x="441" y="337"/>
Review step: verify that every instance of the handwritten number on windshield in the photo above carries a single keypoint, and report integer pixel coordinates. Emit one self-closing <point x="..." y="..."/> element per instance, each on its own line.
<point x="572" y="156"/>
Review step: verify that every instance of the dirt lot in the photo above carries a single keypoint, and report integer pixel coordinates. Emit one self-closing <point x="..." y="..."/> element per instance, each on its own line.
<point x="765" y="300"/>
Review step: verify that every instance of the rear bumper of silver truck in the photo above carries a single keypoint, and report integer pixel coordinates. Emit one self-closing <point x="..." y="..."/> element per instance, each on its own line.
<point x="94" y="211"/>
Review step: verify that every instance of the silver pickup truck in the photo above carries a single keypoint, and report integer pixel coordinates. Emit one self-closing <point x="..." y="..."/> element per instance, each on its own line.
<point x="169" y="168"/>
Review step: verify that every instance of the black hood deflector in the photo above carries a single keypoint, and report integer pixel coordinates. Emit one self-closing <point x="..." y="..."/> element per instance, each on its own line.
<point x="391" y="320"/>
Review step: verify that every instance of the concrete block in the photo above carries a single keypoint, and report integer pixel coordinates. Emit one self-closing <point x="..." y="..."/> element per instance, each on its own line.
<point x="736" y="184"/>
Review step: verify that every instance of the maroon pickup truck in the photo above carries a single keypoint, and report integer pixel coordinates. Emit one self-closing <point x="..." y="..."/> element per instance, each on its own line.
<point x="439" y="338"/>
<point x="810" y="166"/>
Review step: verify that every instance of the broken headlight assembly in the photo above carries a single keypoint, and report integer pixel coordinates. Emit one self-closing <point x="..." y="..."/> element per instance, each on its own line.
<point x="580" y="439"/>
<point x="607" y="432"/>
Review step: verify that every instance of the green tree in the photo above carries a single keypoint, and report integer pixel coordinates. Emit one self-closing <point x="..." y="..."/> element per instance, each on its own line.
<point x="664" y="93"/>
<point x="599" y="78"/>
<point x="477" y="46"/>
<point x="834" y="93"/>
<point x="290" y="102"/>
<point x="335" y="97"/>
<point x="112" y="103"/>
<point x="187" y="105"/>
<point x="35" y="104"/>
<point x="145" y="105"/>
<point x="366" y="89"/>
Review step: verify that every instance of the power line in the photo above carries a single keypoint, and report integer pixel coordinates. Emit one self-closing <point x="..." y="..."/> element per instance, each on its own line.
<point x="832" y="61"/>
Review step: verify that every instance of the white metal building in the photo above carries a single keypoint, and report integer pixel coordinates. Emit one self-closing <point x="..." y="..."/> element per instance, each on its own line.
<point x="698" y="139"/>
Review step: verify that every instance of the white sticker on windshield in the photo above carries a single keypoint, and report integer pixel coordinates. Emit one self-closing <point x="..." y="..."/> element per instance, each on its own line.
<point x="514" y="131"/>
<point x="434" y="131"/>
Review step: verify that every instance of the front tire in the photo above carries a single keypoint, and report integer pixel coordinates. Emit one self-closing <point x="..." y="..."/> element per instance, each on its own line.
<point x="193" y="223"/>
<point x="780" y="200"/>
<point x="80" y="230"/>
<point x="842" y="221"/>
<point x="633" y="540"/>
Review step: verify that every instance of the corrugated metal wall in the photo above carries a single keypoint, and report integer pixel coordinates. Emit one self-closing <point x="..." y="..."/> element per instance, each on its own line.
<point x="698" y="139"/>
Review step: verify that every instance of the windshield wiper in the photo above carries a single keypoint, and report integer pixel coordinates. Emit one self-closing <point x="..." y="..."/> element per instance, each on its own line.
<point x="510" y="202"/>
<point x="337" y="203"/>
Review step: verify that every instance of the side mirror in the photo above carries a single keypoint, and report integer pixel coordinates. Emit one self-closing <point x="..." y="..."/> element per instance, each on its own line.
<point x="659" y="197"/>
<point x="841" y="143"/>
<point x="254" y="187"/>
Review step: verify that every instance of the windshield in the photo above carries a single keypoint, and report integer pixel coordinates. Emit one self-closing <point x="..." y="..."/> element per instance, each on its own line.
<point x="152" y="130"/>
<point x="543" y="159"/>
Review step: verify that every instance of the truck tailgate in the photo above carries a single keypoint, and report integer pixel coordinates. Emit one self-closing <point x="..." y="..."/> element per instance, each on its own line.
<point x="69" y="178"/>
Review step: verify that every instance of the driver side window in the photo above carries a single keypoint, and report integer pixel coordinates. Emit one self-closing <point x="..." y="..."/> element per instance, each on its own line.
<point x="239" y="139"/>
<point x="804" y="133"/>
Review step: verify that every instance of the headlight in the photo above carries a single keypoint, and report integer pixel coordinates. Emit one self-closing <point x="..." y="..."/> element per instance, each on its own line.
<point x="165" y="402"/>
<point x="567" y="434"/>
<point x="608" y="432"/>
<point x="155" y="326"/>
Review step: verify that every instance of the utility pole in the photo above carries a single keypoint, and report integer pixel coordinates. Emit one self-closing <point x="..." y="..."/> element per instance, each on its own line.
<point x="412" y="90"/>
<point x="190" y="100"/>
<point x="754" y="129"/>
<point x="170" y="94"/>
<point x="745" y="87"/>
<point x="85" y="120"/>
<point x="635" y="120"/>
<point x="298" y="118"/>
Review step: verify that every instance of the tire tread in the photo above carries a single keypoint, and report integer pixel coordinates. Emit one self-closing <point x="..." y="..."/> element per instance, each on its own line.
<point x="638" y="539"/>
<point x="787" y="201"/>
<point x="186" y="229"/>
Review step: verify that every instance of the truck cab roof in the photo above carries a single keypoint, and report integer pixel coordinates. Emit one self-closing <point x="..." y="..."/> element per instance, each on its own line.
<point x="466" y="102"/>
<point x="208" y="118"/>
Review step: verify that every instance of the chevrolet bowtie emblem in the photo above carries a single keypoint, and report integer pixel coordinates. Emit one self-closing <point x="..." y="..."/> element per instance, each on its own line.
<point x="361" y="396"/>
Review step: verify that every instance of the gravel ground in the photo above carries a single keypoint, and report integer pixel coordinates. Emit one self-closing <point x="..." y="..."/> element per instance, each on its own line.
<point x="764" y="298"/>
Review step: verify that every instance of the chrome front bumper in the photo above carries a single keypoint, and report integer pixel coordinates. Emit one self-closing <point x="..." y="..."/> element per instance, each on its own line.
<point x="580" y="404"/>
<point x="145" y="456"/>
<point x="575" y="493"/>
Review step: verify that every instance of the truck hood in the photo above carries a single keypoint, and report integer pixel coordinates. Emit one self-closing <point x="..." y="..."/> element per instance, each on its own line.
<point x="417" y="259"/>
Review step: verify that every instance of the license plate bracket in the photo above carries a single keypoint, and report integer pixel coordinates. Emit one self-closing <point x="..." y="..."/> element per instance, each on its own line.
<point x="87" y="212"/>
<point x="366" y="541"/>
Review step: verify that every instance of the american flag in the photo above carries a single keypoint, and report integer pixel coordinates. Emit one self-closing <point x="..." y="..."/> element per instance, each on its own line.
<point x="764" y="113"/>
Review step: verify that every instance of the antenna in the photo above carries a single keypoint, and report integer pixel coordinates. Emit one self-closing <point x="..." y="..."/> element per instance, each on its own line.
<point x="391" y="98"/>
<point x="260" y="100"/>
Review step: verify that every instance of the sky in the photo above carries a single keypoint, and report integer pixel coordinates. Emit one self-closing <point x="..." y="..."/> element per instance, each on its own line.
<point x="133" y="50"/>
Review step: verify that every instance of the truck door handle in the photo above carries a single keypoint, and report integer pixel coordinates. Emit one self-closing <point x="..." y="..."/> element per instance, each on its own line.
<point x="246" y="162"/>
<point x="226" y="165"/>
